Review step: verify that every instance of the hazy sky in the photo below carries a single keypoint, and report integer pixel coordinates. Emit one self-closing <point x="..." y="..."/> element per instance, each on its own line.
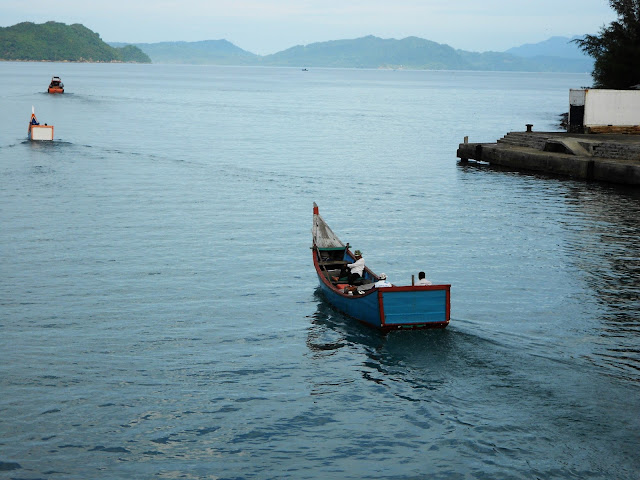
<point x="268" y="26"/>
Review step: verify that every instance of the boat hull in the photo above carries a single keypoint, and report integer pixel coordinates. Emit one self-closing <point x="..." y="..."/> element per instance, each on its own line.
<point x="392" y="308"/>
<point x="55" y="90"/>
<point x="40" y="132"/>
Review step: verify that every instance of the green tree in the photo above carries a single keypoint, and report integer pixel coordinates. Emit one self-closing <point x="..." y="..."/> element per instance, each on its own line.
<point x="616" y="50"/>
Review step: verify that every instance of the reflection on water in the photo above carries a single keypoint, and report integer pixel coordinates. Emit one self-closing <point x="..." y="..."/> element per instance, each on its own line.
<point x="386" y="359"/>
<point x="607" y="250"/>
<point x="588" y="232"/>
<point x="603" y="242"/>
<point x="459" y="390"/>
<point x="331" y="330"/>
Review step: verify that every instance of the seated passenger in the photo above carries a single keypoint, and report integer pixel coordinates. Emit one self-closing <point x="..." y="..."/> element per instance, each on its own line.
<point x="382" y="282"/>
<point x="422" y="280"/>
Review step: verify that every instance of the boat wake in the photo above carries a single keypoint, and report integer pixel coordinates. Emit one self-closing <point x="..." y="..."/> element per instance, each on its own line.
<point x="49" y="144"/>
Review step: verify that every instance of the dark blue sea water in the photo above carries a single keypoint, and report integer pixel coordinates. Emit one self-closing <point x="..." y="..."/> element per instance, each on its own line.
<point x="159" y="312"/>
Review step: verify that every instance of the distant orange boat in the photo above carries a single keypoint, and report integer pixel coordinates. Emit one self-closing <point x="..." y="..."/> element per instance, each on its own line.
<point x="56" y="85"/>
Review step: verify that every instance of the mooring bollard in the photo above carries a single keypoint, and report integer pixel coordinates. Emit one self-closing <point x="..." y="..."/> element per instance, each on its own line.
<point x="529" y="127"/>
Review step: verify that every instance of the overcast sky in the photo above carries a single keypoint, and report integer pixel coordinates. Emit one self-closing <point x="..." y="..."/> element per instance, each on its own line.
<point x="269" y="26"/>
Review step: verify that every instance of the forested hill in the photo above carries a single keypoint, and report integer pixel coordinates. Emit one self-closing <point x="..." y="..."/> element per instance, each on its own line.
<point x="372" y="52"/>
<point x="417" y="53"/>
<point x="57" y="42"/>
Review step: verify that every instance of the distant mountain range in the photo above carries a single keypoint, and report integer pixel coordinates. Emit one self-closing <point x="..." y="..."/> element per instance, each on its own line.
<point x="53" y="41"/>
<point x="553" y="47"/>
<point x="557" y="54"/>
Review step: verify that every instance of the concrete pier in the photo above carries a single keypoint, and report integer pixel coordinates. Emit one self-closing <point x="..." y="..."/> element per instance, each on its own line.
<point x="600" y="157"/>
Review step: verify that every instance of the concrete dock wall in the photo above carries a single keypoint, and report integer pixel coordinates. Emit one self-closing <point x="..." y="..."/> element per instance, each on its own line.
<point x="556" y="154"/>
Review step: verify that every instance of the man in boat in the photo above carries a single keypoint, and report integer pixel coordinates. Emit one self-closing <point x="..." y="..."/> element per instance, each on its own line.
<point x="356" y="269"/>
<point x="382" y="282"/>
<point x="422" y="280"/>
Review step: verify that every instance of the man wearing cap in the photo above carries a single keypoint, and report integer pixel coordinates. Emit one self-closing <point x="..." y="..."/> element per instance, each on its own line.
<point x="356" y="268"/>
<point x="382" y="281"/>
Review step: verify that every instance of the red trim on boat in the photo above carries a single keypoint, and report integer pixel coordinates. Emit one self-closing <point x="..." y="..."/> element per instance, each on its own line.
<point x="381" y="305"/>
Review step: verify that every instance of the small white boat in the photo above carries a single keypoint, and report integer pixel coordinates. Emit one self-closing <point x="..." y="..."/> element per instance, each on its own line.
<point x="39" y="132"/>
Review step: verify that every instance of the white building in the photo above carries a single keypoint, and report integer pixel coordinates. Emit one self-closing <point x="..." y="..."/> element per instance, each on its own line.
<point x="604" y="111"/>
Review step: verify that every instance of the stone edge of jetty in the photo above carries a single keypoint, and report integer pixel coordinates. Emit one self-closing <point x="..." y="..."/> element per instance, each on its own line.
<point x="613" y="158"/>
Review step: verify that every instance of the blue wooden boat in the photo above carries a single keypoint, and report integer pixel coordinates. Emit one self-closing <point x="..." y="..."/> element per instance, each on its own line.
<point x="389" y="308"/>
